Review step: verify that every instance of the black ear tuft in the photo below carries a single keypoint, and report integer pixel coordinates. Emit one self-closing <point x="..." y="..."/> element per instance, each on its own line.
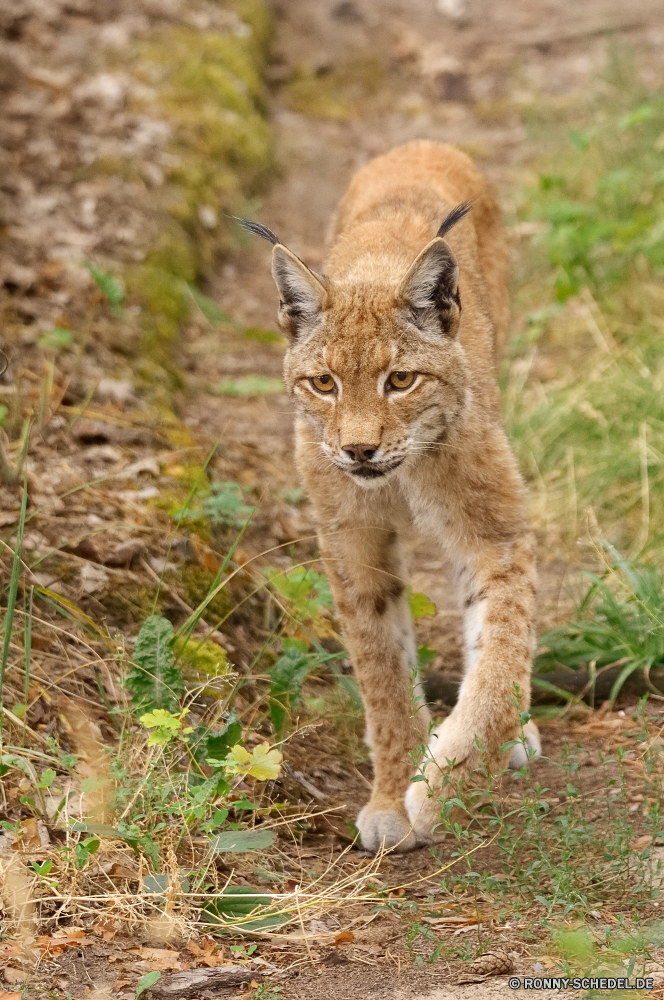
<point x="257" y="230"/>
<point x="456" y="215"/>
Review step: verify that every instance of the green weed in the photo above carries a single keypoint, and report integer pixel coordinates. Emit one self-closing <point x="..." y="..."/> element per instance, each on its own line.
<point x="585" y="407"/>
<point x="560" y="853"/>
<point x="605" y="201"/>
<point x="154" y="681"/>
<point x="110" y="287"/>
<point x="620" y="622"/>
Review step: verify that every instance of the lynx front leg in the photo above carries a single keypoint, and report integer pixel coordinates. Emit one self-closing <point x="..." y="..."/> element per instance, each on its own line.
<point x="498" y="588"/>
<point x="366" y="573"/>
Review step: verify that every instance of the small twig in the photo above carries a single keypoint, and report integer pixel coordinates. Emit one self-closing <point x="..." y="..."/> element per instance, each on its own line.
<point x="19" y="722"/>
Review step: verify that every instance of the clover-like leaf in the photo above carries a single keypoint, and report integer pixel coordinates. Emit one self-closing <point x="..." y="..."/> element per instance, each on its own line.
<point x="262" y="763"/>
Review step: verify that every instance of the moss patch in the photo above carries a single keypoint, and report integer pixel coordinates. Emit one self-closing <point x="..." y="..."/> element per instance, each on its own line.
<point x="207" y="86"/>
<point x="202" y="661"/>
<point x="339" y="94"/>
<point x="129" y="606"/>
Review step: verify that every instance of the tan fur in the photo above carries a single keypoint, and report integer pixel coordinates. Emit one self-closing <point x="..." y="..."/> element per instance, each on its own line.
<point x="437" y="452"/>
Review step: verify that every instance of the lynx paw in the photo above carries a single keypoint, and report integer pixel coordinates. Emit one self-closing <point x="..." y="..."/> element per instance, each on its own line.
<point x="385" y="828"/>
<point x="533" y="748"/>
<point x="423" y="812"/>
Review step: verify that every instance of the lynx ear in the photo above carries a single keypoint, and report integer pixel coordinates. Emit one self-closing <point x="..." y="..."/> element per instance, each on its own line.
<point x="302" y="295"/>
<point x="431" y="288"/>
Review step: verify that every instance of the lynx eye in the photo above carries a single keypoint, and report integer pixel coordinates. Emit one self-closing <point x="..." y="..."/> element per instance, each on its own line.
<point x="401" y="380"/>
<point x="323" y="383"/>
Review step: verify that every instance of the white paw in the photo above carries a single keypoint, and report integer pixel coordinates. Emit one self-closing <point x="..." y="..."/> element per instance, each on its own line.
<point x="416" y="802"/>
<point x="521" y="753"/>
<point x="387" y="829"/>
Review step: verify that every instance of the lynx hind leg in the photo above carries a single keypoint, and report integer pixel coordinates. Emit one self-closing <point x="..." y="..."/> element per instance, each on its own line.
<point x="529" y="749"/>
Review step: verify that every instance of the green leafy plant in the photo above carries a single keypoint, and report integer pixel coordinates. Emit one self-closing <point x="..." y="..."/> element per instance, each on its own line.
<point x="261" y="763"/>
<point x="206" y="743"/>
<point x="146" y="981"/>
<point x="599" y="226"/>
<point x="84" y="850"/>
<point x="264" y="991"/>
<point x="155" y="681"/>
<point x="56" y="339"/>
<point x="420" y="605"/>
<point x="286" y="679"/>
<point x="109" y="286"/>
<point x="226" y="507"/>
<point x="42" y="868"/>
<point x="236" y="841"/>
<point x="306" y="594"/>
<point x="165" y="727"/>
<point x="245" y="906"/>
<point x="620" y="622"/>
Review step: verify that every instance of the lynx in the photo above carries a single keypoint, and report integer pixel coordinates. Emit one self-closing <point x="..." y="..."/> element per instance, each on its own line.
<point x="392" y="366"/>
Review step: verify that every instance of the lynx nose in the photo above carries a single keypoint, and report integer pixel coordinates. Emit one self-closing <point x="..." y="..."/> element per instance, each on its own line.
<point x="360" y="452"/>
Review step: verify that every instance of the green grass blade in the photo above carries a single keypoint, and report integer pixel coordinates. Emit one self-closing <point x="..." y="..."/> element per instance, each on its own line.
<point x="27" y="647"/>
<point x="11" y="597"/>
<point x="626" y="672"/>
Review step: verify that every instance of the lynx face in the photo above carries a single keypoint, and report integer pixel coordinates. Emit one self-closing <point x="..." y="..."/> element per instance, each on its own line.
<point x="377" y="372"/>
<point x="376" y="390"/>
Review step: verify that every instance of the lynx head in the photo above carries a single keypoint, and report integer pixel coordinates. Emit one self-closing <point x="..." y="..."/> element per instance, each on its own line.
<point x="373" y="360"/>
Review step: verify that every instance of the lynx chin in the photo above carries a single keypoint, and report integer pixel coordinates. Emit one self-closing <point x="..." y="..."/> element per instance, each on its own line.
<point x="392" y="366"/>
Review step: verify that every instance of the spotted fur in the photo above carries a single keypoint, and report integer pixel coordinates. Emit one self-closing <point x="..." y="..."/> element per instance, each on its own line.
<point x="415" y="282"/>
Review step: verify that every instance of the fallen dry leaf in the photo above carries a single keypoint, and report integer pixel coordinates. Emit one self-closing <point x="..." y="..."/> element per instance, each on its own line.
<point x="105" y="928"/>
<point x="205" y="555"/>
<point x="206" y="947"/>
<point x="13" y="975"/>
<point x="205" y="954"/>
<point x="161" y="959"/>
<point x="120" y="870"/>
<point x="28" y="838"/>
<point x="10" y="996"/>
<point x="212" y="961"/>
<point x="53" y="946"/>
<point x="344" y="937"/>
<point x="158" y="953"/>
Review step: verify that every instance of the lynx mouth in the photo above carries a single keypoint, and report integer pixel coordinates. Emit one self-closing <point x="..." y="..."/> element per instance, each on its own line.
<point x="369" y="472"/>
